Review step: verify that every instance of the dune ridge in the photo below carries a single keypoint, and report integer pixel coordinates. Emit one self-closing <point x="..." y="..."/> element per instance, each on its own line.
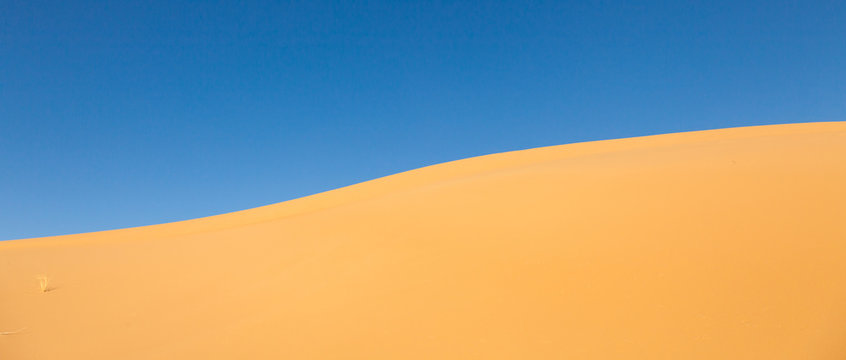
<point x="711" y="244"/>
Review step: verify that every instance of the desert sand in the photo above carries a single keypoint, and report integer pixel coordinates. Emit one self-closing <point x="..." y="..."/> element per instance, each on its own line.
<point x="721" y="244"/>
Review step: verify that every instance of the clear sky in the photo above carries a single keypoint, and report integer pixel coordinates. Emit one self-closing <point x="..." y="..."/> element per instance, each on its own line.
<point x="127" y="113"/>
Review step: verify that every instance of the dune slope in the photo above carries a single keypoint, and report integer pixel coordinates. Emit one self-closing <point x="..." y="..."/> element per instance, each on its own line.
<point x="723" y="244"/>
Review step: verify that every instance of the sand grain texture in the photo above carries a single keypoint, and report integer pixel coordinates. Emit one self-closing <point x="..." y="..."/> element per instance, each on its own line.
<point x="724" y="244"/>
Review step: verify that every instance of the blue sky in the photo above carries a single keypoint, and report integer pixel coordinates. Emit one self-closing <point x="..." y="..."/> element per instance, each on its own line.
<point x="118" y="114"/>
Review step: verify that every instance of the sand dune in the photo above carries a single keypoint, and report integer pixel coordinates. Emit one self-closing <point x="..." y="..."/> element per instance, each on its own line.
<point x="724" y="244"/>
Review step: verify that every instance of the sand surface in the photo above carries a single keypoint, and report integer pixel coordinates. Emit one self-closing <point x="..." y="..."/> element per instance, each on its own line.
<point x="724" y="244"/>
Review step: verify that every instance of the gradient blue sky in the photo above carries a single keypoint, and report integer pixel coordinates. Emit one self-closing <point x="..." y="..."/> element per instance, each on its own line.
<point x="119" y="113"/>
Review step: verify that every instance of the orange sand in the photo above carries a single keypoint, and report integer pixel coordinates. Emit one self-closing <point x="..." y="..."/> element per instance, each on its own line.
<point x="725" y="244"/>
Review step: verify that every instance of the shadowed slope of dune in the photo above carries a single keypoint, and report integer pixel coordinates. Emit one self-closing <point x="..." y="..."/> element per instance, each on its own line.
<point x="724" y="244"/>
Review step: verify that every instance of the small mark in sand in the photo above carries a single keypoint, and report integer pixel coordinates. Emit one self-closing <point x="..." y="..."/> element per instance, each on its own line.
<point x="44" y="284"/>
<point x="11" y="332"/>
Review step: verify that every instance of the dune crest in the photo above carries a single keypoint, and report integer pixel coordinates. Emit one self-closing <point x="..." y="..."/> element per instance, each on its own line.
<point x="720" y="244"/>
